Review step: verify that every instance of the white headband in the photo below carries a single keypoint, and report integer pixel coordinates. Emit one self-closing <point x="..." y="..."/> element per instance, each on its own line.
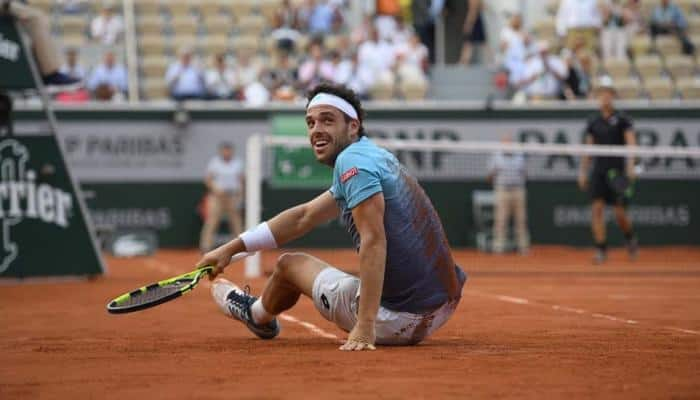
<point x="327" y="99"/>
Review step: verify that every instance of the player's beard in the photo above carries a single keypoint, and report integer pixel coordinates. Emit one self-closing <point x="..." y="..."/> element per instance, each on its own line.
<point x="338" y="144"/>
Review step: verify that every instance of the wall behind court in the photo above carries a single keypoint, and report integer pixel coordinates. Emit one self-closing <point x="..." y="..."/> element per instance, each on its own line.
<point x="142" y="170"/>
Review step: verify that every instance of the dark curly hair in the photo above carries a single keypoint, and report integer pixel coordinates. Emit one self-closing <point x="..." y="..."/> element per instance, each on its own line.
<point x="344" y="93"/>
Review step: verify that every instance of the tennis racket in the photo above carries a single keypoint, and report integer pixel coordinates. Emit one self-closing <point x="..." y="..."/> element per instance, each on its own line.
<point x="160" y="292"/>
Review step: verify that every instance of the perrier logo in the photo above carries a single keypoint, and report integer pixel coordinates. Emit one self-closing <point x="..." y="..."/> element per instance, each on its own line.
<point x="9" y="50"/>
<point x="22" y="198"/>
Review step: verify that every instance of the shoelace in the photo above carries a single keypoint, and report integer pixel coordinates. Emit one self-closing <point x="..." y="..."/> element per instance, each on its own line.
<point x="239" y="302"/>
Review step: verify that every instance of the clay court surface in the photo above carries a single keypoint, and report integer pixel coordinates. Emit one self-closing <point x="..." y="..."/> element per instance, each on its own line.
<point x="548" y="325"/>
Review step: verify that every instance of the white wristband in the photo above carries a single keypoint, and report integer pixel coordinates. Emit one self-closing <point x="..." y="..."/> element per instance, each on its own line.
<point x="258" y="238"/>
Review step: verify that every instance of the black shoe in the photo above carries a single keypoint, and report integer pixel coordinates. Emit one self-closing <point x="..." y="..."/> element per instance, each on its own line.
<point x="600" y="257"/>
<point x="58" y="81"/>
<point x="236" y="303"/>
<point x="633" y="248"/>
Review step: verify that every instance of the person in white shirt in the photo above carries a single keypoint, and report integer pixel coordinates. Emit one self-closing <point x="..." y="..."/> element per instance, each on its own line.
<point x="355" y="76"/>
<point x="220" y="79"/>
<point x="107" y="28"/>
<point x="580" y="19"/>
<point x="247" y="68"/>
<point x="543" y="74"/>
<point x="375" y="54"/>
<point x="108" y="79"/>
<point x="507" y="173"/>
<point x="72" y="66"/>
<point x="184" y="78"/>
<point x="224" y="181"/>
<point x="414" y="52"/>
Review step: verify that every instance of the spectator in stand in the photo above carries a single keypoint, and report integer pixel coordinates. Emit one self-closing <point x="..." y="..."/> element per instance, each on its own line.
<point x="360" y="32"/>
<point x="357" y="77"/>
<point x="285" y="31"/>
<point x="579" y="18"/>
<point x="322" y="18"/>
<point x="579" y="81"/>
<point x="375" y="54"/>
<point x="185" y="79"/>
<point x="668" y="19"/>
<point x="613" y="36"/>
<point x="220" y="79"/>
<point x="315" y="69"/>
<point x="108" y="81"/>
<point x="281" y="79"/>
<point x="634" y="20"/>
<point x="286" y="16"/>
<point x="72" y="67"/>
<point x="107" y="27"/>
<point x="414" y="52"/>
<point x="514" y="46"/>
<point x="402" y="33"/>
<point x="385" y="19"/>
<point x="303" y="14"/>
<point x="474" y="33"/>
<point x="247" y="68"/>
<point x="424" y="14"/>
<point x="543" y="74"/>
<point x="72" y="6"/>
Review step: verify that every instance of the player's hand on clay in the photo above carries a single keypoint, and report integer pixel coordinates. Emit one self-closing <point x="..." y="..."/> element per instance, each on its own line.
<point x="219" y="258"/>
<point x="361" y="337"/>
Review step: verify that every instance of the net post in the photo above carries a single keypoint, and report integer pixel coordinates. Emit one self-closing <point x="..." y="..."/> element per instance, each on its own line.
<point x="253" y="205"/>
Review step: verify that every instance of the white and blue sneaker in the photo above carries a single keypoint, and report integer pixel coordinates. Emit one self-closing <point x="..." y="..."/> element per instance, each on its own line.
<point x="235" y="303"/>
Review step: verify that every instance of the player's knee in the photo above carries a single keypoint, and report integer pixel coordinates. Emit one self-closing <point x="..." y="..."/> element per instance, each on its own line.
<point x="288" y="261"/>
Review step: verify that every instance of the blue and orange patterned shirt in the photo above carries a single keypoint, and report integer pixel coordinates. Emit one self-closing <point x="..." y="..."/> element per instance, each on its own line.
<point x="419" y="265"/>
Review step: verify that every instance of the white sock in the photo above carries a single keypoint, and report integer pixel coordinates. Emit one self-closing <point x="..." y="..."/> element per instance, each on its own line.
<point x="260" y="315"/>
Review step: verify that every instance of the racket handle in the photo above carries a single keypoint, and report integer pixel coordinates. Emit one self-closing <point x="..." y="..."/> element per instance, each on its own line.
<point x="240" y="256"/>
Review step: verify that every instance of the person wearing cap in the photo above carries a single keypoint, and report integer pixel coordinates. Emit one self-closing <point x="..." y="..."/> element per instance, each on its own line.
<point x="610" y="179"/>
<point x="408" y="285"/>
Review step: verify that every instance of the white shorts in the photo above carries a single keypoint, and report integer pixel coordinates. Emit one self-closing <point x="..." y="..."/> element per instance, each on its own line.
<point x="336" y="295"/>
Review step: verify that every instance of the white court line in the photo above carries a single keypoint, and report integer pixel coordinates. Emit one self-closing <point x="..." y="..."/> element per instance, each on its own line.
<point x="557" y="307"/>
<point x="311" y="327"/>
<point x="689" y="331"/>
<point x="166" y="268"/>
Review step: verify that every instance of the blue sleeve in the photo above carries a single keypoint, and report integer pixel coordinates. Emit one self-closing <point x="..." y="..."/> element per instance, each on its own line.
<point x="357" y="178"/>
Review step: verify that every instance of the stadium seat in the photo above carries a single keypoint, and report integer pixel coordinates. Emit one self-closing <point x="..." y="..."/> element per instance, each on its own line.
<point x="215" y="44"/>
<point x="148" y="7"/>
<point x="44" y="5"/>
<point x="627" y="88"/>
<point x="154" y="66"/>
<point x="649" y="67"/>
<point x="150" y="25"/>
<point x="73" y="24"/>
<point x="240" y="8"/>
<point x="251" y="24"/>
<point x="680" y="66"/>
<point x="689" y="88"/>
<point x="688" y="6"/>
<point x="217" y="24"/>
<point x="617" y="68"/>
<point x="74" y="40"/>
<point x="659" y="89"/>
<point x="640" y="45"/>
<point x="185" y="40"/>
<point x="413" y="85"/>
<point x="209" y="8"/>
<point x="154" y="89"/>
<point x="545" y="28"/>
<point x="184" y="25"/>
<point x="153" y="44"/>
<point x="383" y="88"/>
<point x="694" y="25"/>
<point x="178" y="8"/>
<point x="268" y="8"/>
<point x="667" y="45"/>
<point x="245" y="42"/>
